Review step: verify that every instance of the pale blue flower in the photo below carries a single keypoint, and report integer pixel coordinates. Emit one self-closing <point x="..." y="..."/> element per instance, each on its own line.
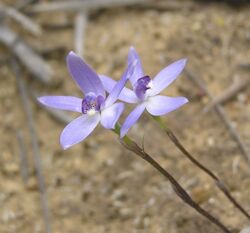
<point x="145" y="91"/>
<point x="95" y="107"/>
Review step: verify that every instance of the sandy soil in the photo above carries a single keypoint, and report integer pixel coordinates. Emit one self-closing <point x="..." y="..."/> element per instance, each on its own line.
<point x="97" y="186"/>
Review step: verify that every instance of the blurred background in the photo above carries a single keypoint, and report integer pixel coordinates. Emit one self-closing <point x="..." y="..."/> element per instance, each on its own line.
<point x="93" y="186"/>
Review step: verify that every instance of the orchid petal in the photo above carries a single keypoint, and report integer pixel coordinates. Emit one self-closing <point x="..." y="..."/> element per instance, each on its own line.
<point x="132" y="118"/>
<point x="138" y="73"/>
<point x="110" y="115"/>
<point x="69" y="103"/>
<point x="84" y="75"/>
<point x="126" y="94"/>
<point x="166" y="76"/>
<point x="114" y="94"/>
<point x="161" y="105"/>
<point x="78" y="130"/>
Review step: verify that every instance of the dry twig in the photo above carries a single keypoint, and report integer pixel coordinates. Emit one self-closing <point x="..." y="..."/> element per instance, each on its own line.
<point x="244" y="66"/>
<point x="165" y="5"/>
<point x="222" y="114"/>
<point x="229" y="93"/>
<point x="24" y="20"/>
<point x="82" y="5"/>
<point x="80" y="26"/>
<point x="36" y="152"/>
<point x="33" y="62"/>
<point x="23" y="157"/>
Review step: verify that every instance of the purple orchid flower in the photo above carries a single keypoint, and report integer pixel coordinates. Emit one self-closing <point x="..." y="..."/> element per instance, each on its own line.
<point x="95" y="107"/>
<point x="145" y="91"/>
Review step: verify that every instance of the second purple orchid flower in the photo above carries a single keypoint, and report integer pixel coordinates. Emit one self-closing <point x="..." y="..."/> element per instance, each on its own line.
<point x="145" y="91"/>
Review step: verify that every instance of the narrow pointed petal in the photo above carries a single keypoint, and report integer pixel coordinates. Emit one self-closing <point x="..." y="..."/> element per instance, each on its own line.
<point x="132" y="119"/>
<point x="138" y="73"/>
<point x="69" y="103"/>
<point x="84" y="75"/>
<point x="161" y="105"/>
<point x="126" y="94"/>
<point x="78" y="130"/>
<point x="110" y="115"/>
<point x="166" y="76"/>
<point x="115" y="92"/>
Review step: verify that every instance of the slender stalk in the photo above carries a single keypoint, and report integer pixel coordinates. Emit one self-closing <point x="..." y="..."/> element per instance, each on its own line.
<point x="35" y="147"/>
<point x="217" y="181"/>
<point x="179" y="190"/>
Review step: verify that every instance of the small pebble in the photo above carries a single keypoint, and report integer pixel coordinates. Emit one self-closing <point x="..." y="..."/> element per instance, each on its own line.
<point x="118" y="194"/>
<point x="211" y="142"/>
<point x="125" y="213"/>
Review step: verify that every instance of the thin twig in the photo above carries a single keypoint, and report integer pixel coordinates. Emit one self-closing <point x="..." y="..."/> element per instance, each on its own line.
<point x="221" y="113"/>
<point x="244" y="66"/>
<point x="57" y="26"/>
<point x="33" y="62"/>
<point x="23" y="157"/>
<point x="229" y="93"/>
<point x="82" y="5"/>
<point x="165" y="5"/>
<point x="24" y="20"/>
<point x="36" y="152"/>
<point x="179" y="190"/>
<point x="81" y="20"/>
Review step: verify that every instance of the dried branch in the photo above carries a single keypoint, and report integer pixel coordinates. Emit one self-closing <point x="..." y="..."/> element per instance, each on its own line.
<point x="221" y="113"/>
<point x="33" y="62"/>
<point x="229" y="93"/>
<point x="244" y="66"/>
<point x="82" y="5"/>
<point x="36" y="153"/>
<point x="80" y="26"/>
<point x="165" y="5"/>
<point x="23" y="157"/>
<point x="25" y="21"/>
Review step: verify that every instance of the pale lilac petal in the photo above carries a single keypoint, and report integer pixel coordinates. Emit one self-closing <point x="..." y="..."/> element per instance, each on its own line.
<point x="132" y="118"/>
<point x="84" y="75"/>
<point x="126" y="94"/>
<point x="115" y="92"/>
<point x="69" y="103"/>
<point x="108" y="83"/>
<point x="110" y="115"/>
<point x="161" y="105"/>
<point x="166" y="76"/>
<point x="78" y="129"/>
<point x="138" y="73"/>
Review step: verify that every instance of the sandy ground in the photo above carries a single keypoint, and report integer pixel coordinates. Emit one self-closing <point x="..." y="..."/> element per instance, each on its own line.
<point x="97" y="186"/>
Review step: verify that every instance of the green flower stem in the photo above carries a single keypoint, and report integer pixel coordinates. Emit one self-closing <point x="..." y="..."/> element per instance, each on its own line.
<point x="217" y="181"/>
<point x="179" y="190"/>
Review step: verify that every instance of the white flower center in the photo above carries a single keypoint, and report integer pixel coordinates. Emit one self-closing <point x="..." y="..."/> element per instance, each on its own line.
<point x="91" y="112"/>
